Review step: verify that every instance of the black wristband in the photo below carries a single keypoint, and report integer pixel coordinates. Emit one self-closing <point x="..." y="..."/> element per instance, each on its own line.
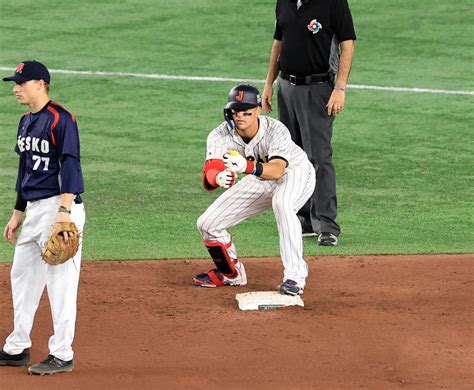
<point x="20" y="204"/>
<point x="258" y="169"/>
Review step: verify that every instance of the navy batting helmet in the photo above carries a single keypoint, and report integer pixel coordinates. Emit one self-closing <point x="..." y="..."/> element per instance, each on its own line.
<point x="243" y="97"/>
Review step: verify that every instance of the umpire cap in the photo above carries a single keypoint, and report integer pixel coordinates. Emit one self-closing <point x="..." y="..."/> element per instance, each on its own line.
<point x="29" y="70"/>
<point x="244" y="97"/>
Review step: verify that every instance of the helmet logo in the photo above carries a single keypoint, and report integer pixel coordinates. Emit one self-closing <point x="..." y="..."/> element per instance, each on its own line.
<point x="240" y="96"/>
<point x="19" y="68"/>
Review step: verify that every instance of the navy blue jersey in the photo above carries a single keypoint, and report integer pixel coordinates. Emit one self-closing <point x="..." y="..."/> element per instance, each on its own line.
<point x="49" y="150"/>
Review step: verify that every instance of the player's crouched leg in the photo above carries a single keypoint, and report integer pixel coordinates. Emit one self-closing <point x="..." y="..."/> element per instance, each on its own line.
<point x="229" y="271"/>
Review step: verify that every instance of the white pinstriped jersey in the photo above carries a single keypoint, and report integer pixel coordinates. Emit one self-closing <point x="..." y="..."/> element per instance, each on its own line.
<point x="251" y="195"/>
<point x="272" y="140"/>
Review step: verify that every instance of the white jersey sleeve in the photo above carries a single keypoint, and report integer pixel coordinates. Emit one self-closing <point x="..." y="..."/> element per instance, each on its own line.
<point x="280" y="144"/>
<point x="217" y="142"/>
<point x="222" y="139"/>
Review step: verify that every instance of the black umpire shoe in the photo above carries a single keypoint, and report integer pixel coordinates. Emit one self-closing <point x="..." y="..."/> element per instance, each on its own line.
<point x="308" y="233"/>
<point x="306" y="228"/>
<point x="327" y="239"/>
<point x="51" y="365"/>
<point x="20" y="360"/>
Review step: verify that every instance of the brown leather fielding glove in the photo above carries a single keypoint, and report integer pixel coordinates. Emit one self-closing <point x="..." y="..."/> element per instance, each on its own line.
<point x="56" y="250"/>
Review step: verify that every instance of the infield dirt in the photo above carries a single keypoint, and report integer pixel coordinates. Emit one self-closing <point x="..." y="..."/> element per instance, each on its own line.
<point x="379" y="322"/>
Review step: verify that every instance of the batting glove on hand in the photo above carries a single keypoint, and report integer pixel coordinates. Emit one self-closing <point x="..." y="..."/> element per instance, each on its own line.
<point x="226" y="179"/>
<point x="235" y="162"/>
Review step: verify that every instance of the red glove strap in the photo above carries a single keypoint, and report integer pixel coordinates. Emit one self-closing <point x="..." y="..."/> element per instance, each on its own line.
<point x="234" y="176"/>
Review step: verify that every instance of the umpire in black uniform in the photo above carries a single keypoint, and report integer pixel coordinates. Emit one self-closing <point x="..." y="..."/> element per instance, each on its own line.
<point x="313" y="41"/>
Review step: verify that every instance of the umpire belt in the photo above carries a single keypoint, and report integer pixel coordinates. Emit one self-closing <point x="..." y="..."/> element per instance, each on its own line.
<point x="295" y="79"/>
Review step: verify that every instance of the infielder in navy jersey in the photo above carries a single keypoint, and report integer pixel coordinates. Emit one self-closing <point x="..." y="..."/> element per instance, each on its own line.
<point x="279" y="177"/>
<point x="48" y="187"/>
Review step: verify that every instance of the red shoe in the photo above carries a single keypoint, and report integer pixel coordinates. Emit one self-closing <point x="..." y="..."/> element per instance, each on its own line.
<point x="214" y="278"/>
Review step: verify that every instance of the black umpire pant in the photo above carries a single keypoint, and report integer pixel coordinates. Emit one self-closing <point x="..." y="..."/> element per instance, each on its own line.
<point x="302" y="108"/>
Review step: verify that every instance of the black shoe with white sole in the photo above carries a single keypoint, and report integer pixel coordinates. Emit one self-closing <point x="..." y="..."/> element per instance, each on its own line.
<point x="290" y="287"/>
<point x="327" y="239"/>
<point x="19" y="360"/>
<point x="306" y="227"/>
<point x="51" y="365"/>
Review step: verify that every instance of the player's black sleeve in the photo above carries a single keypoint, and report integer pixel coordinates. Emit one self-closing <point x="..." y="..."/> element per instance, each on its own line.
<point x="20" y="202"/>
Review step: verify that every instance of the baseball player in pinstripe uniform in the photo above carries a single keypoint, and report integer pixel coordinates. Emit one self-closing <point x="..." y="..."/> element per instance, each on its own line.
<point x="278" y="176"/>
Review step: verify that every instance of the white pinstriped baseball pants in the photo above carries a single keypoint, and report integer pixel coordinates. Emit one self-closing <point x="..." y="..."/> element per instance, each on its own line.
<point x="30" y="274"/>
<point x="251" y="196"/>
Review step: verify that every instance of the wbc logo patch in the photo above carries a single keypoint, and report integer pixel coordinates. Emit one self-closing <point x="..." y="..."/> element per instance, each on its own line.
<point x="314" y="26"/>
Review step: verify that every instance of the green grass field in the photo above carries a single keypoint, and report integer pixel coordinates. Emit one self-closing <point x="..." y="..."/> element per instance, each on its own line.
<point x="404" y="160"/>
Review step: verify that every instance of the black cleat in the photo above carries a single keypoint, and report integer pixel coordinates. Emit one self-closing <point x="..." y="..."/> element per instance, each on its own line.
<point x="327" y="239"/>
<point x="290" y="287"/>
<point x="20" y="360"/>
<point x="51" y="365"/>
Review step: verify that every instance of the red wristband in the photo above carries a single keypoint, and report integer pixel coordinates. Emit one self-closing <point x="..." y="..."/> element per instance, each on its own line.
<point x="211" y="177"/>
<point x="250" y="167"/>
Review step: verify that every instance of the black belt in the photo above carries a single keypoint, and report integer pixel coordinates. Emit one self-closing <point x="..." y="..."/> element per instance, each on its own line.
<point x="295" y="79"/>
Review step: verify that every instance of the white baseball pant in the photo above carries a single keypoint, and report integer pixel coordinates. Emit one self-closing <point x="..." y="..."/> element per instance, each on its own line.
<point x="30" y="274"/>
<point x="251" y="196"/>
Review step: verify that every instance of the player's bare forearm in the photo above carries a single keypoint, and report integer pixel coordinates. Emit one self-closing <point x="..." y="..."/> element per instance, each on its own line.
<point x="66" y="202"/>
<point x="274" y="169"/>
<point x="345" y="63"/>
<point x="267" y="95"/>
<point x="66" y="199"/>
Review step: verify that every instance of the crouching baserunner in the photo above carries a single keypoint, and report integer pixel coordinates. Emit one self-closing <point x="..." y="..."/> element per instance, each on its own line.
<point x="279" y="176"/>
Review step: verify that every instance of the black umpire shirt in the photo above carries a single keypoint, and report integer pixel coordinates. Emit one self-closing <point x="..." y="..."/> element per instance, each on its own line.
<point x="310" y="36"/>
